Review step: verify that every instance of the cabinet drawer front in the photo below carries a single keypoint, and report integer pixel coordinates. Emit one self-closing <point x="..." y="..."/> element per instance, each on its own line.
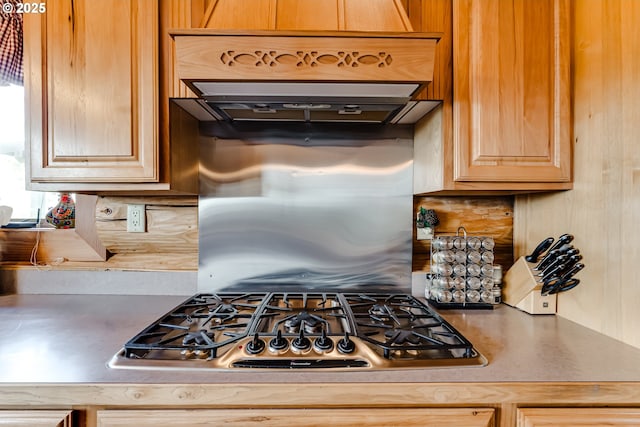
<point x="570" y="417"/>
<point x="361" y="417"/>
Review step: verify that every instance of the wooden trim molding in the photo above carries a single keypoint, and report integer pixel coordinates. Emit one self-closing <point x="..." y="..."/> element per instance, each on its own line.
<point x="336" y="395"/>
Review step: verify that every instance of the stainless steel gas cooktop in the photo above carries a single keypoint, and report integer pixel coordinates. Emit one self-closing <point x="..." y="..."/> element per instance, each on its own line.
<point x="280" y="330"/>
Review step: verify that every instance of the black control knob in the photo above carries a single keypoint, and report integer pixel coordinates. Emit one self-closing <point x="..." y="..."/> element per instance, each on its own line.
<point x="301" y="343"/>
<point x="345" y="345"/>
<point x="278" y="343"/>
<point x="323" y="344"/>
<point x="256" y="345"/>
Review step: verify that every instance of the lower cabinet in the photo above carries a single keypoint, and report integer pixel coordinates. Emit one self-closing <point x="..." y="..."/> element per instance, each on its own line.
<point x="361" y="417"/>
<point x="566" y="417"/>
<point x="36" y="418"/>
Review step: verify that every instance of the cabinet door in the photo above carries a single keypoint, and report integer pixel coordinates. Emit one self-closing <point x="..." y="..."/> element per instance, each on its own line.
<point x="570" y="417"/>
<point x="91" y="90"/>
<point x="511" y="90"/>
<point x="35" y="418"/>
<point x="406" y="417"/>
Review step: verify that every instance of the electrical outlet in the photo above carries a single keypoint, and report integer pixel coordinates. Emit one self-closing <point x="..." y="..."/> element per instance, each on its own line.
<point x="136" y="219"/>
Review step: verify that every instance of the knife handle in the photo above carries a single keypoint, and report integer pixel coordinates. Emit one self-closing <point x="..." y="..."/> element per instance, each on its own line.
<point x="551" y="267"/>
<point x="549" y="285"/>
<point x="553" y="271"/>
<point x="570" y="251"/>
<point x="539" y="250"/>
<point x="562" y="240"/>
<point x="567" y="285"/>
<point x="572" y="271"/>
<point x="573" y="260"/>
<point x="557" y="285"/>
<point x="548" y="258"/>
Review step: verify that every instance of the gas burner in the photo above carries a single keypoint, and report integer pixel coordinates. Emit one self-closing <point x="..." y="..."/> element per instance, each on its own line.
<point x="219" y="310"/>
<point x="223" y="308"/>
<point x="310" y="323"/>
<point x="221" y="313"/>
<point x="383" y="313"/>
<point x="201" y="337"/>
<point x="401" y="337"/>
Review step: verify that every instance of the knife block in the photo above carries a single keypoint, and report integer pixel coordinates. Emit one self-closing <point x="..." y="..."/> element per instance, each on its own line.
<point x="521" y="290"/>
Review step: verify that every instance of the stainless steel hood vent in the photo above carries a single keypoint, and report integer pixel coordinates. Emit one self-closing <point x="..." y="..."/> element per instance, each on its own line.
<point x="389" y="110"/>
<point x="306" y="76"/>
<point x="308" y="102"/>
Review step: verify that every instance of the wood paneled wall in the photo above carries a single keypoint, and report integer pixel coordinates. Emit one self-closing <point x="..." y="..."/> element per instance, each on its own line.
<point x="170" y="242"/>
<point x="603" y="209"/>
<point x="486" y="216"/>
<point x="171" y="239"/>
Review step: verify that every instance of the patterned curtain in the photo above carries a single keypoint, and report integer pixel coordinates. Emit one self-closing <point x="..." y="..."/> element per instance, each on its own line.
<point x="10" y="45"/>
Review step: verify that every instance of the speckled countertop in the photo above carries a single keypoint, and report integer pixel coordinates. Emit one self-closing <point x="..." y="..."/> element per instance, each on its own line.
<point x="70" y="339"/>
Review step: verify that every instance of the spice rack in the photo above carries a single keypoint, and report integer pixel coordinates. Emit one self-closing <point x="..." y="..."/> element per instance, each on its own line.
<point x="462" y="272"/>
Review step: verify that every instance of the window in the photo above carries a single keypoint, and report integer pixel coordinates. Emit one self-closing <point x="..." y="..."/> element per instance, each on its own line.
<point x="25" y="203"/>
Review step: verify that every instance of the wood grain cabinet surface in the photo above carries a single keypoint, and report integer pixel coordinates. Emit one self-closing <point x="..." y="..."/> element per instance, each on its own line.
<point x="35" y="418"/>
<point x="305" y="15"/>
<point x="91" y="80"/>
<point x="505" y="124"/>
<point x="361" y="417"/>
<point x="570" y="417"/>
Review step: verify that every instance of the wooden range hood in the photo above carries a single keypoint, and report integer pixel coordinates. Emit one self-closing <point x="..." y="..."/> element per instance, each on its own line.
<point x="305" y="60"/>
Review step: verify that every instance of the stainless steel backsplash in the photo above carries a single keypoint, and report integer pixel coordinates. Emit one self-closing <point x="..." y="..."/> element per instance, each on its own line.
<point x="293" y="216"/>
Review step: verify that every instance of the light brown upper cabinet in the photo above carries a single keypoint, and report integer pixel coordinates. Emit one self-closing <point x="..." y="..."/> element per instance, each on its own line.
<point x="92" y="97"/>
<point x="91" y="78"/>
<point x="505" y="121"/>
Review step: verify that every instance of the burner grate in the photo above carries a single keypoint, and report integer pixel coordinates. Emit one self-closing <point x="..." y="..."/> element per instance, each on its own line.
<point x="399" y="325"/>
<point x="197" y="328"/>
<point x="314" y="313"/>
